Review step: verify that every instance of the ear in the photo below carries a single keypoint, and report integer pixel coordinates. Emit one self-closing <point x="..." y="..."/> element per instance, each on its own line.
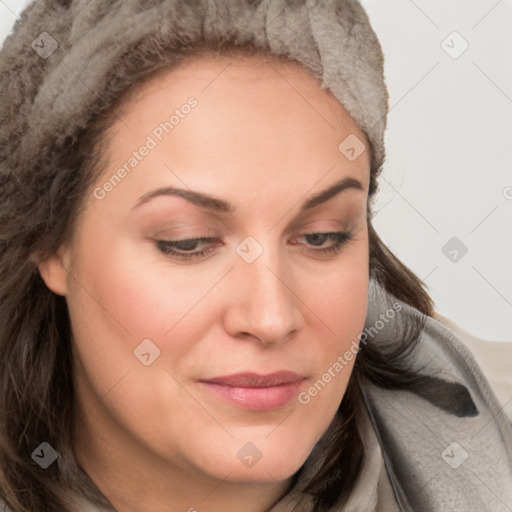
<point x="53" y="272"/>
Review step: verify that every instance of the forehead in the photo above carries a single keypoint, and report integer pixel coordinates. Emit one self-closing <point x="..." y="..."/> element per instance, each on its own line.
<point x="257" y="120"/>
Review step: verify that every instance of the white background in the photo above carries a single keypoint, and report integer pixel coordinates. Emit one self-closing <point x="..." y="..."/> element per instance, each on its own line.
<point x="449" y="151"/>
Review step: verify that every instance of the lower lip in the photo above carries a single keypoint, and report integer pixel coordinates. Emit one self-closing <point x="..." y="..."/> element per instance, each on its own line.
<point x="256" y="399"/>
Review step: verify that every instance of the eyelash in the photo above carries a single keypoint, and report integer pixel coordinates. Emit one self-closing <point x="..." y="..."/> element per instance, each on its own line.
<point x="167" y="247"/>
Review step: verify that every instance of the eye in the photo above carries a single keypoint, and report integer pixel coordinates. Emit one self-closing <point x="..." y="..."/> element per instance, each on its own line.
<point x="337" y="238"/>
<point x="185" y="249"/>
<point x="190" y="248"/>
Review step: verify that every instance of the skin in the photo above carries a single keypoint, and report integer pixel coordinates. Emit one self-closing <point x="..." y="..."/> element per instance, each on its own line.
<point x="264" y="136"/>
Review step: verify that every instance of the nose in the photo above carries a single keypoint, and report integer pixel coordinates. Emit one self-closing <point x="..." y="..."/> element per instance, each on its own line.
<point x="263" y="305"/>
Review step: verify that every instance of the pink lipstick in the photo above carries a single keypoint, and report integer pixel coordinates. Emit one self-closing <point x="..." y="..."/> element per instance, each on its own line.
<point x="254" y="391"/>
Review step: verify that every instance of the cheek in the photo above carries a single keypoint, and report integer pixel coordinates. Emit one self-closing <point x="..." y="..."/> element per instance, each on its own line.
<point x="125" y="297"/>
<point x="131" y="293"/>
<point x="340" y="302"/>
<point x="338" y="295"/>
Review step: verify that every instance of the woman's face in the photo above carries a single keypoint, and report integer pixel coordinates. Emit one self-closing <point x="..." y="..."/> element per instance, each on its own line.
<point x="176" y="341"/>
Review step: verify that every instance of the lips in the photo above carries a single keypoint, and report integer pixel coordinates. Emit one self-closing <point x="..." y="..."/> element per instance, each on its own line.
<point x="256" y="391"/>
<point x="254" y="380"/>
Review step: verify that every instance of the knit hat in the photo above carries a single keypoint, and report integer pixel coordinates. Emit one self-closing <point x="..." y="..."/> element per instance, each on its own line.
<point x="67" y="60"/>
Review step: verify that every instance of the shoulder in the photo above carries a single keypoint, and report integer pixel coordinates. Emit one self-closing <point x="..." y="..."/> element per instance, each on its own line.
<point x="494" y="359"/>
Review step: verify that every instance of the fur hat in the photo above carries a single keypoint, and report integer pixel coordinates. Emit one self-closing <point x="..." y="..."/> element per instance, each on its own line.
<point x="68" y="60"/>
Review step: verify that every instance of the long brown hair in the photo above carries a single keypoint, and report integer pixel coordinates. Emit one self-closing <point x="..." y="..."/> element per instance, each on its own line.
<point x="38" y="210"/>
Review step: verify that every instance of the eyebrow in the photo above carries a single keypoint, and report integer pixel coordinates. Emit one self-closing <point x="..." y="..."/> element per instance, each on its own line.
<point x="221" y="206"/>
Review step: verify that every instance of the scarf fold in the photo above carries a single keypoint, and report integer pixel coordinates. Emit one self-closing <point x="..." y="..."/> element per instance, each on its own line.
<point x="447" y="445"/>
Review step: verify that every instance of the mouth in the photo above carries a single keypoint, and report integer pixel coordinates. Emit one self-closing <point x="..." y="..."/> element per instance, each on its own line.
<point x="255" y="391"/>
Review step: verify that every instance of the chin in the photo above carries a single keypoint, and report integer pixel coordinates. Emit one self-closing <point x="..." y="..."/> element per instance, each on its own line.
<point x="263" y="473"/>
<point x="263" y="460"/>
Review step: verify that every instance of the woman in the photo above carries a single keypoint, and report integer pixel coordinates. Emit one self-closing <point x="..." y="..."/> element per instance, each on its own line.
<point x="197" y="313"/>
